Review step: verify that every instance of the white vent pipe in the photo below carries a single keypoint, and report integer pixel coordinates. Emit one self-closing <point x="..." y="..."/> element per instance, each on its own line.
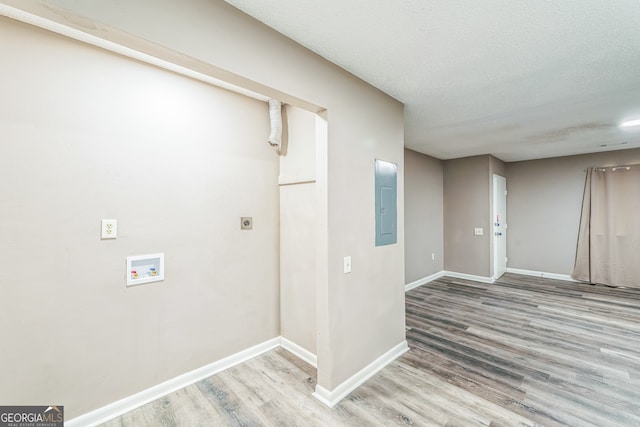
<point x="275" y="114"/>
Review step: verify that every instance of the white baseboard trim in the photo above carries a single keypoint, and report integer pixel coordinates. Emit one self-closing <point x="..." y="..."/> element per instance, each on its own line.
<point x="556" y="276"/>
<point x="423" y="281"/>
<point x="465" y="276"/>
<point x="331" y="398"/>
<point x="300" y="352"/>
<point x="130" y="403"/>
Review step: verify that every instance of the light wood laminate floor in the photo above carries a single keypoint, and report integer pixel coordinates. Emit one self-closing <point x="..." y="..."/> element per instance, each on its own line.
<point x="523" y="351"/>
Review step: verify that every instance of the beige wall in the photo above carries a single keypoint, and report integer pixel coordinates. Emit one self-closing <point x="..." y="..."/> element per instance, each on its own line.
<point x="496" y="166"/>
<point x="543" y="208"/>
<point x="423" y="215"/>
<point x="363" y="124"/>
<point x="466" y="206"/>
<point x="90" y="135"/>
<point x="298" y="227"/>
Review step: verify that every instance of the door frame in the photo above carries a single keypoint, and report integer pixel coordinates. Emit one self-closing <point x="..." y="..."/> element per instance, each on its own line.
<point x="498" y="225"/>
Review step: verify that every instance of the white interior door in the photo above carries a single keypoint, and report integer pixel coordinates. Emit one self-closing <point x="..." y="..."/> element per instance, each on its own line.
<point x="499" y="226"/>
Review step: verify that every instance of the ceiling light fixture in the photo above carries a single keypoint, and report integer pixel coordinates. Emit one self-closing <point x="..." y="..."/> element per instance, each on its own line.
<point x="630" y="123"/>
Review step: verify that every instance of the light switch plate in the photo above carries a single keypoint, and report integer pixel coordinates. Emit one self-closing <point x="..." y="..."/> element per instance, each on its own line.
<point x="109" y="229"/>
<point x="246" y="223"/>
<point x="347" y="264"/>
<point x="478" y="232"/>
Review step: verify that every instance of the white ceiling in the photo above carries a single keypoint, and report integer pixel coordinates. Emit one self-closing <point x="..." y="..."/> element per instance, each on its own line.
<point x="519" y="79"/>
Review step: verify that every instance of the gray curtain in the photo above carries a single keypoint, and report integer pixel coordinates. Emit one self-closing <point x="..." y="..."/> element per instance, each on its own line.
<point x="608" y="249"/>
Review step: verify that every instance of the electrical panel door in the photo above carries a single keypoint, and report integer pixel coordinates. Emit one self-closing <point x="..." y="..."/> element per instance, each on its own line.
<point x="386" y="177"/>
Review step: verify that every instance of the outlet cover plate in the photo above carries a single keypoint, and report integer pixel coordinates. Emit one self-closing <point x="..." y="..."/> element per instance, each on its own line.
<point x="109" y="229"/>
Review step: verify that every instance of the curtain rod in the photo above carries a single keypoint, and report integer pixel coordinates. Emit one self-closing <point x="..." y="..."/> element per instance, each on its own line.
<point x="627" y="167"/>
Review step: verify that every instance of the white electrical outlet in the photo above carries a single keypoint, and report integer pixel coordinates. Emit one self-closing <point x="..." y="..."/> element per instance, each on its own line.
<point x="347" y="264"/>
<point x="478" y="232"/>
<point x="109" y="229"/>
<point x="433" y="256"/>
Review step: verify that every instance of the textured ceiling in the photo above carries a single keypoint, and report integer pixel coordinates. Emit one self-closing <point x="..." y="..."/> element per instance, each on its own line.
<point x="519" y="79"/>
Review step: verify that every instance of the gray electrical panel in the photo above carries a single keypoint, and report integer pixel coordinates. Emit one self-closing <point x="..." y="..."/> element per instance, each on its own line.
<point x="386" y="203"/>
